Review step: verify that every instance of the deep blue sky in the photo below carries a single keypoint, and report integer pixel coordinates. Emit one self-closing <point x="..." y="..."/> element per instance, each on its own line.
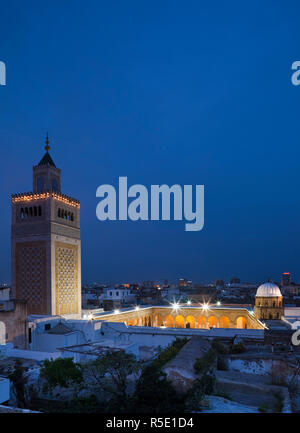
<point x="162" y="92"/>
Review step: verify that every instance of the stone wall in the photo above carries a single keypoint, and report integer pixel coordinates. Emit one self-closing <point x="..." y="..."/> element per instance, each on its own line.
<point x="186" y="317"/>
<point x="13" y="323"/>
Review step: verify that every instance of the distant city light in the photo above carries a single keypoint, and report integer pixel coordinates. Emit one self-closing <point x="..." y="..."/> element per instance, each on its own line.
<point x="137" y="308"/>
<point x="218" y="303"/>
<point x="117" y="311"/>
<point x="189" y="302"/>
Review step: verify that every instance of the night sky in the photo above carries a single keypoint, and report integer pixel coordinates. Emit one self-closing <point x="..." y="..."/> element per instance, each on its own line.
<point x="162" y="92"/>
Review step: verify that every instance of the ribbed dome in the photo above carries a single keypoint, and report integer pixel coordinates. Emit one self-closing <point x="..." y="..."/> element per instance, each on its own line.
<point x="268" y="290"/>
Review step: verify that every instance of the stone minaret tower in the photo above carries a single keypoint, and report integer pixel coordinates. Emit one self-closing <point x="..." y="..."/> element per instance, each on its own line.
<point x="46" y="246"/>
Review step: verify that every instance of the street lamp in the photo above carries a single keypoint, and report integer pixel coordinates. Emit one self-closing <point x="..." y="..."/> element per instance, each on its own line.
<point x="205" y="306"/>
<point x="175" y="306"/>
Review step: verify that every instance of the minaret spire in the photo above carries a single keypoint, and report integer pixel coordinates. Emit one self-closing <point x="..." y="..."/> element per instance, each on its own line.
<point x="47" y="147"/>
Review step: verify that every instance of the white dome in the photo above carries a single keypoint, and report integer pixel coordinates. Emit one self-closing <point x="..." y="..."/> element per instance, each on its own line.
<point x="268" y="290"/>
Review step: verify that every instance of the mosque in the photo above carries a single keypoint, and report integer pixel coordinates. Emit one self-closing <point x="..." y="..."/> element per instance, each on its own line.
<point x="268" y="306"/>
<point x="46" y="270"/>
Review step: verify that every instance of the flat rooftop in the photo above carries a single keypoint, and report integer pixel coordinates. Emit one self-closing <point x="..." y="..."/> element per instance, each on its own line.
<point x="98" y="347"/>
<point x="170" y="307"/>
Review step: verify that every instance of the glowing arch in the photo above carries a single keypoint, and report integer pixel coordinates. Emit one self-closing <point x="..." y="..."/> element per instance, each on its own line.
<point x="190" y="322"/>
<point x="241" y="322"/>
<point x="212" y="322"/>
<point x="201" y="322"/>
<point x="179" y="321"/>
<point x="224" y="322"/>
<point x="158" y="321"/>
<point x="169" y="321"/>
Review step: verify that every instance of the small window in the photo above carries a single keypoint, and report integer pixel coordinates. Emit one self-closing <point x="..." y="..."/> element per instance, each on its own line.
<point x="30" y="211"/>
<point x="58" y="213"/>
<point x="47" y="326"/>
<point x="35" y="211"/>
<point x="29" y="335"/>
<point x="22" y="214"/>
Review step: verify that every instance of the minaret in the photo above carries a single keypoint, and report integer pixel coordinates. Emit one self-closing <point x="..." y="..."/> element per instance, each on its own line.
<point x="46" y="245"/>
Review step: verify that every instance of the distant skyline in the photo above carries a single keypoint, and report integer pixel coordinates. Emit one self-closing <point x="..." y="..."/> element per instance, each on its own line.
<point x="163" y="93"/>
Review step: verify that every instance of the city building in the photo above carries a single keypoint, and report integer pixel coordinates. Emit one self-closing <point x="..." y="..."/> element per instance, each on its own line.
<point x="291" y="290"/>
<point x="4" y="293"/>
<point x="4" y="389"/>
<point x="268" y="302"/>
<point x="116" y="298"/>
<point x="286" y="279"/>
<point x="235" y="280"/>
<point x="171" y="293"/>
<point x="183" y="316"/>
<point x="13" y="323"/>
<point x="46" y="246"/>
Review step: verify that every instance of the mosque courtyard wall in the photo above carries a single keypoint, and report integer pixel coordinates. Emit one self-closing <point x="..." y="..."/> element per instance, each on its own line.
<point x="185" y="317"/>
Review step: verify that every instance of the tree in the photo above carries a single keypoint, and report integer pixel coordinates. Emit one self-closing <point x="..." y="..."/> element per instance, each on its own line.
<point x="154" y="393"/>
<point x="111" y="373"/>
<point x="62" y="372"/>
<point x="18" y="379"/>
